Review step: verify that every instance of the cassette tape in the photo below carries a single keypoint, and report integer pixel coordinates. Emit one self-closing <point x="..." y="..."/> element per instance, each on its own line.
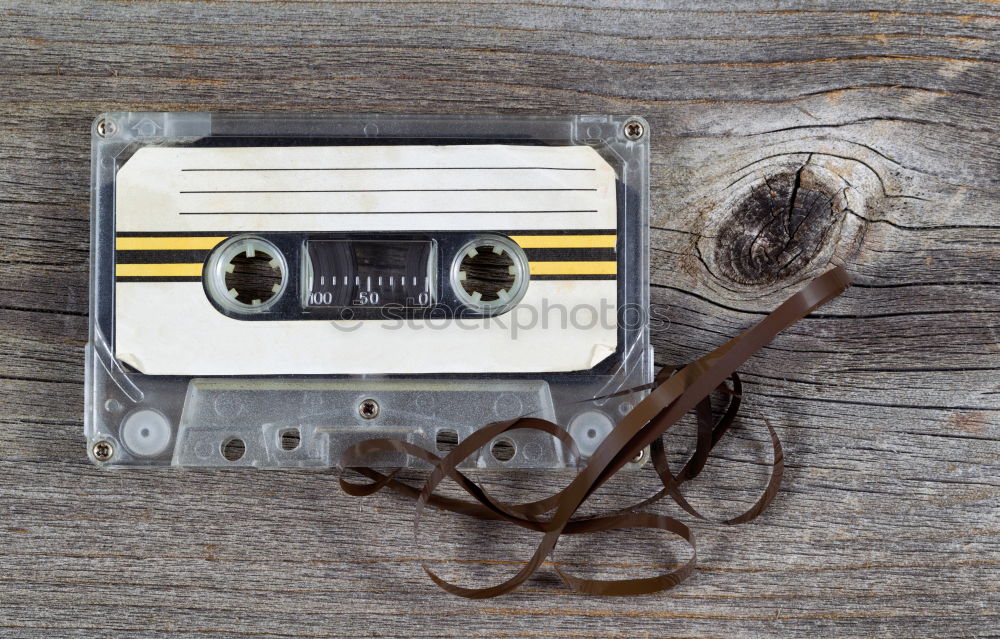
<point x="268" y="290"/>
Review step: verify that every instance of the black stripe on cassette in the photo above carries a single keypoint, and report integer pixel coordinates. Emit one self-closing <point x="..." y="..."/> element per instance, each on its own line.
<point x="269" y="290"/>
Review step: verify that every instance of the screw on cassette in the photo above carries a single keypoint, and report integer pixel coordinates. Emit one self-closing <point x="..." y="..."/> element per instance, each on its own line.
<point x="675" y="392"/>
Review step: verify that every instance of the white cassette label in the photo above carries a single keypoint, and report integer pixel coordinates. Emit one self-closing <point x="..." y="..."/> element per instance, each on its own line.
<point x="174" y="205"/>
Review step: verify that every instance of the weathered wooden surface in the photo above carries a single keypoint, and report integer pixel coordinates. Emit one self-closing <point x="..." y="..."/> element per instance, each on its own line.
<point x="883" y="123"/>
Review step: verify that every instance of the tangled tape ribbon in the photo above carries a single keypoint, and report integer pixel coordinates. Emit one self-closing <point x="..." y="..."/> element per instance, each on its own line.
<point x="675" y="392"/>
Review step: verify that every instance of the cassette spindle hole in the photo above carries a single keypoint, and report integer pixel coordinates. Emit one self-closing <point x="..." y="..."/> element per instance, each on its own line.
<point x="487" y="272"/>
<point x="490" y="274"/>
<point x="246" y="274"/>
<point x="253" y="276"/>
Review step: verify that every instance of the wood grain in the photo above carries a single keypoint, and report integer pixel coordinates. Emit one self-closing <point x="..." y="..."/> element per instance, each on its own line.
<point x="828" y="133"/>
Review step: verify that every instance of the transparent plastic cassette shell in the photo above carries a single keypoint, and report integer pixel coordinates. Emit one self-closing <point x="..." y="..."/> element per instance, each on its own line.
<point x="307" y="421"/>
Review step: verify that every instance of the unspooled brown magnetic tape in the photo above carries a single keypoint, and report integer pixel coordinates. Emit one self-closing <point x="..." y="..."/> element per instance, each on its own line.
<point x="676" y="391"/>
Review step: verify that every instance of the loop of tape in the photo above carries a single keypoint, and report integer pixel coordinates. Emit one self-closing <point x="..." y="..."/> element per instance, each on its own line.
<point x="675" y="392"/>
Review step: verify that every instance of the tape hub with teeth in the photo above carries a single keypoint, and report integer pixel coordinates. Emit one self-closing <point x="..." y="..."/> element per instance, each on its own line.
<point x="490" y="274"/>
<point x="246" y="274"/>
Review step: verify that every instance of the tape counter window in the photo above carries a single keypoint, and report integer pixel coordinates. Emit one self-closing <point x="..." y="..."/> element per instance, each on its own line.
<point x="254" y="275"/>
<point x="370" y="273"/>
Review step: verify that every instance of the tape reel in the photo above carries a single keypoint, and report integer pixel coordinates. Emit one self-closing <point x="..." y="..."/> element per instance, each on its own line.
<point x="224" y="262"/>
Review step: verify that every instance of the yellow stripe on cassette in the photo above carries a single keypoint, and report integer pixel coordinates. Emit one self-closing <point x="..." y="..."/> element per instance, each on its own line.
<point x="565" y="241"/>
<point x="158" y="270"/>
<point x="151" y="267"/>
<point x="573" y="268"/>
<point x="167" y="243"/>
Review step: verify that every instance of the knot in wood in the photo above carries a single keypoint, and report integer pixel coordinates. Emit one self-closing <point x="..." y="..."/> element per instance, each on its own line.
<point x="774" y="231"/>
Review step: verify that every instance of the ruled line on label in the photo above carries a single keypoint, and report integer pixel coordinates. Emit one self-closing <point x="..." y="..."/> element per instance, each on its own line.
<point x="380" y="212"/>
<point x="406" y="168"/>
<point x="516" y="190"/>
